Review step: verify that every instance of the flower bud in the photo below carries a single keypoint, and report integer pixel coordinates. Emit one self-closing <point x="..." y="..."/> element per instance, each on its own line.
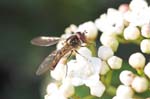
<point x="97" y="89"/>
<point x="109" y="41"/>
<point x="140" y="84"/>
<point x="126" y="77"/>
<point x="147" y="70"/>
<point x="100" y="22"/>
<point x="124" y="91"/>
<point x="83" y="54"/>
<point x="137" y="60"/>
<point x="131" y="33"/>
<point x="60" y="70"/>
<point x="54" y="96"/>
<point x="52" y="87"/>
<point x="90" y="29"/>
<point x="134" y="5"/>
<point x="105" y="52"/>
<point x="145" y="30"/>
<point x="145" y="46"/>
<point x="111" y="25"/>
<point x="105" y="68"/>
<point x="71" y="28"/>
<point x="123" y="8"/>
<point x="115" y="62"/>
<point x="67" y="88"/>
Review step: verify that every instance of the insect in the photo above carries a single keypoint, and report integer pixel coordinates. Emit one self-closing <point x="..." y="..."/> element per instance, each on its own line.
<point x="71" y="44"/>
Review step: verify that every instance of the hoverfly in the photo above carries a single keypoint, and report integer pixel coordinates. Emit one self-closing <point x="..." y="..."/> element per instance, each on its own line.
<point x="71" y="44"/>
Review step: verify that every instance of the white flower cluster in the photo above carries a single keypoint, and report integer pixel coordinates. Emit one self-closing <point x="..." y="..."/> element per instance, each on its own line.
<point x="130" y="23"/>
<point x="109" y="60"/>
<point x="131" y="83"/>
<point x="127" y="24"/>
<point x="83" y="70"/>
<point x="54" y="91"/>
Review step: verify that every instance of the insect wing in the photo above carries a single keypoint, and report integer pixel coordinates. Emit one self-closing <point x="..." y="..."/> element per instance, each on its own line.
<point x="46" y="64"/>
<point x="45" y="41"/>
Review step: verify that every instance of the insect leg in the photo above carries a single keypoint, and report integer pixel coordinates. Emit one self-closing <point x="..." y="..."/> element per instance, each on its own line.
<point x="80" y="54"/>
<point x="67" y="64"/>
<point x="83" y="45"/>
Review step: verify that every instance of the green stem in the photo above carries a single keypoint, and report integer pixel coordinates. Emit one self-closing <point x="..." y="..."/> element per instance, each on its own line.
<point x="140" y="72"/>
<point x="111" y="90"/>
<point x="75" y="97"/>
<point x="92" y="47"/>
<point x="106" y="79"/>
<point x="109" y="78"/>
<point x="123" y="41"/>
<point x="88" y="97"/>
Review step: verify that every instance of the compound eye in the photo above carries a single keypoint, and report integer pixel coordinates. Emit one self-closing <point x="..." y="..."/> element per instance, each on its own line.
<point x="75" y="42"/>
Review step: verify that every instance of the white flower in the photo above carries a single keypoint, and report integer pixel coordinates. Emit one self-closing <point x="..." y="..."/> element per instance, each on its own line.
<point x="134" y="5"/>
<point x="145" y="30"/>
<point x="97" y="88"/>
<point x="62" y="92"/>
<point x="70" y="29"/>
<point x="115" y="62"/>
<point x="54" y="96"/>
<point x="82" y="70"/>
<point x="123" y="8"/>
<point x="131" y="33"/>
<point x="139" y="17"/>
<point x="85" y="70"/>
<point x="111" y="23"/>
<point x="105" y="52"/>
<point x="147" y="70"/>
<point x="109" y="41"/>
<point x="83" y="53"/>
<point x="145" y="46"/>
<point x="124" y="91"/>
<point x="67" y="89"/>
<point x="60" y="70"/>
<point x="140" y="84"/>
<point x="126" y="77"/>
<point x="52" y="87"/>
<point x="90" y="29"/>
<point x="137" y="60"/>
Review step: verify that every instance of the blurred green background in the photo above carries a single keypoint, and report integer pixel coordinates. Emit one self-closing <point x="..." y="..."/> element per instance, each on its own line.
<point x="22" y="20"/>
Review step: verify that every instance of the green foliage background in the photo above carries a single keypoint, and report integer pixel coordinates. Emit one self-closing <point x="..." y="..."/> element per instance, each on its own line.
<point x="20" y="21"/>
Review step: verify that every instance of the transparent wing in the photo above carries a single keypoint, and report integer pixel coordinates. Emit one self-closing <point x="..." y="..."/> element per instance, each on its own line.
<point x="46" y="64"/>
<point x="44" y="41"/>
